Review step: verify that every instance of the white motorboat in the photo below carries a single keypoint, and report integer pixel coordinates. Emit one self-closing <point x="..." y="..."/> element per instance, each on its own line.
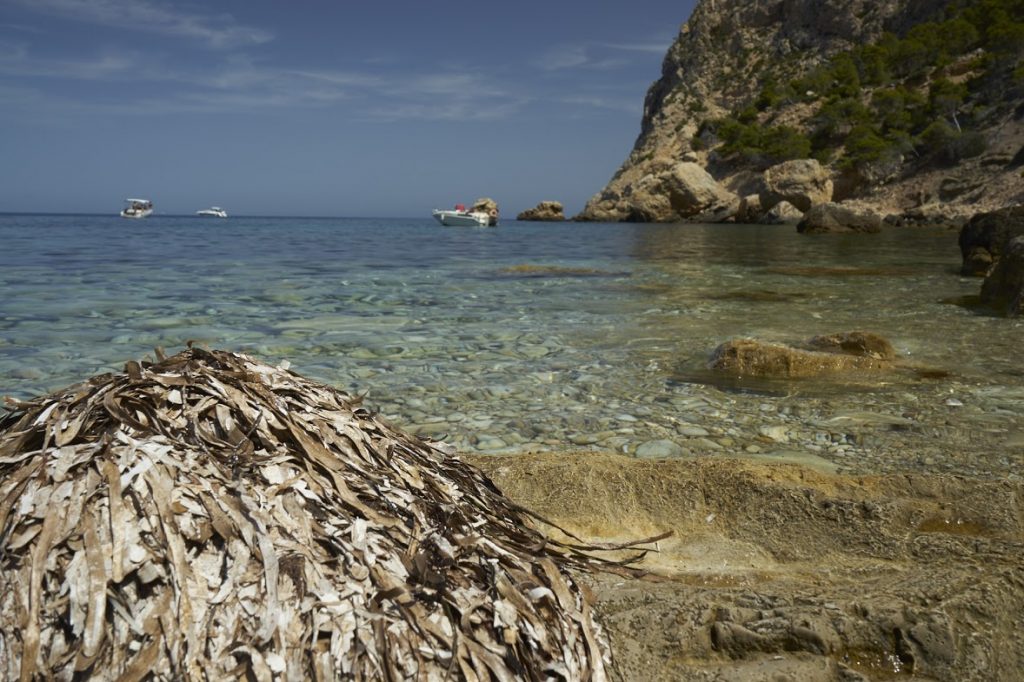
<point x="212" y="212"/>
<point x="460" y="217"/>
<point x="137" y="208"/>
<point x="455" y="218"/>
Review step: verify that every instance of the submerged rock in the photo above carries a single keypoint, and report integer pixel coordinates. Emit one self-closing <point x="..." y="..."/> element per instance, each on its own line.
<point x="865" y="344"/>
<point x="548" y="211"/>
<point x="212" y="517"/>
<point x="752" y="358"/>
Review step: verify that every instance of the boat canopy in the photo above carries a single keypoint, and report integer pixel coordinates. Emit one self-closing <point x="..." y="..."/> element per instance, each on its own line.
<point x="137" y="201"/>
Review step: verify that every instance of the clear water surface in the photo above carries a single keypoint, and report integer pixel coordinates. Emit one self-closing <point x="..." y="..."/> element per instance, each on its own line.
<point x="538" y="336"/>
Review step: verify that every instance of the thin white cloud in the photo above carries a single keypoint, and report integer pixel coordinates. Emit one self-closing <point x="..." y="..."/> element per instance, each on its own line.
<point x="218" y="31"/>
<point x="563" y="57"/>
<point x="239" y="85"/>
<point x="337" y="78"/>
<point x="568" y="57"/>
<point x="608" y="103"/>
<point x="16" y="61"/>
<point x="449" y="95"/>
<point x="660" y="47"/>
<point x="453" y="84"/>
<point x="442" y="110"/>
<point x="22" y="28"/>
<point x="239" y="82"/>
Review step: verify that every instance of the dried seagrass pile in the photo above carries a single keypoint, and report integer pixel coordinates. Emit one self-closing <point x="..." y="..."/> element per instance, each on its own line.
<point x="210" y="517"/>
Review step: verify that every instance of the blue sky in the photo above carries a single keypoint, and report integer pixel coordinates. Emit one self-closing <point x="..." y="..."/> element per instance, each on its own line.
<point x="321" y="108"/>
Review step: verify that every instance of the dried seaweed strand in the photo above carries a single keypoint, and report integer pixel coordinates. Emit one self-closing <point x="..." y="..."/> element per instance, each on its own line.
<point x="208" y="516"/>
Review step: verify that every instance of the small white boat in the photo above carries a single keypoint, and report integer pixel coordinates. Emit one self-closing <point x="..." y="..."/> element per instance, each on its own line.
<point x="212" y="212"/>
<point x="137" y="208"/>
<point x="460" y="217"/>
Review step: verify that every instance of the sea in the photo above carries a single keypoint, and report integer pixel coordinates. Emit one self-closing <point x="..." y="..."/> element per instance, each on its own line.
<point x="527" y="337"/>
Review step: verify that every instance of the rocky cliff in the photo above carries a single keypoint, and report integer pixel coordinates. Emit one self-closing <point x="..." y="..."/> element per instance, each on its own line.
<point x="748" y="63"/>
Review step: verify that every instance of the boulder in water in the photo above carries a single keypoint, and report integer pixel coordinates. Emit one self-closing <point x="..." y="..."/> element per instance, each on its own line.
<point x="1004" y="287"/>
<point x="984" y="237"/>
<point x="831" y="217"/>
<point x="547" y="211"/>
<point x="761" y="359"/>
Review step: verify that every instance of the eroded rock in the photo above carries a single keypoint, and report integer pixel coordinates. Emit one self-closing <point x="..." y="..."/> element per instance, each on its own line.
<point x="692" y="191"/>
<point x="488" y="206"/>
<point x="1004" y="287"/>
<point x="780" y="572"/>
<point x="781" y="213"/>
<point x="864" y="344"/>
<point x="683" y="191"/>
<point x="749" y="210"/>
<point x="546" y="211"/>
<point x="752" y="358"/>
<point x="801" y="182"/>
<point x="984" y="237"/>
<point x="830" y="217"/>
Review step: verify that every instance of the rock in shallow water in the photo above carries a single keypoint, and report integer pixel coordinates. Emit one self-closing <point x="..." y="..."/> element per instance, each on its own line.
<point x="864" y="344"/>
<point x="546" y="211"/>
<point x="831" y="217"/>
<point x="985" y="236"/>
<point x="656" y="449"/>
<point x="752" y="358"/>
<point x="1004" y="287"/>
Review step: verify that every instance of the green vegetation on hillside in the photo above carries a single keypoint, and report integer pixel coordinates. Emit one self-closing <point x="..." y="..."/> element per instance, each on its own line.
<point x="918" y="95"/>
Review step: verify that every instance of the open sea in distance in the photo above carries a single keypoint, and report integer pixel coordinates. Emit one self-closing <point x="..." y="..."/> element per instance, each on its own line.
<point x="539" y="336"/>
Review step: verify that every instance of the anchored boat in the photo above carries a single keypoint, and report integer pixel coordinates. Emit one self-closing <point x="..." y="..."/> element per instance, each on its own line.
<point x="137" y="208"/>
<point x="460" y="217"/>
<point x="212" y="212"/>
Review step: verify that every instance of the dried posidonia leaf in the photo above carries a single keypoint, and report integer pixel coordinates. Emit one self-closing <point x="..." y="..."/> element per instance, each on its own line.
<point x="212" y="517"/>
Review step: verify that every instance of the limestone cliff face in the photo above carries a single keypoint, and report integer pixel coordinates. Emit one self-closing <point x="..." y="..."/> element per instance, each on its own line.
<point x="719" y="61"/>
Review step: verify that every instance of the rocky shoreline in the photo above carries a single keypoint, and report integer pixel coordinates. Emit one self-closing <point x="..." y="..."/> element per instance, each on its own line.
<point x="783" y="573"/>
<point x="758" y="98"/>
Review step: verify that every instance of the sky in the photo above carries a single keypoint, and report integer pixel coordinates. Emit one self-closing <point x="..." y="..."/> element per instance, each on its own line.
<point x="321" y="107"/>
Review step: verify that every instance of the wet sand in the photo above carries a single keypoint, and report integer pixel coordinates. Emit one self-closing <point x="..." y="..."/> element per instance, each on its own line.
<point x="779" y="572"/>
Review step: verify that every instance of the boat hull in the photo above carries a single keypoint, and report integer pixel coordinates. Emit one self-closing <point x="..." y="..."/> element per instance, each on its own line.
<point x="129" y="213"/>
<point x="462" y="219"/>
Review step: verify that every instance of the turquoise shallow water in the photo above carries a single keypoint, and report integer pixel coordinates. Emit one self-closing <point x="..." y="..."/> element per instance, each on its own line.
<point x="535" y="335"/>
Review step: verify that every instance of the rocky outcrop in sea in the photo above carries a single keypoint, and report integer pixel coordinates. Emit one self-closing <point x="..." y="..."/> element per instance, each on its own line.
<point x="545" y="211"/>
